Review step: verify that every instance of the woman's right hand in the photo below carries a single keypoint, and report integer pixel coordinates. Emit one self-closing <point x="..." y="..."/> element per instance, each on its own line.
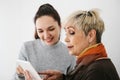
<point x="19" y="70"/>
<point x="25" y="73"/>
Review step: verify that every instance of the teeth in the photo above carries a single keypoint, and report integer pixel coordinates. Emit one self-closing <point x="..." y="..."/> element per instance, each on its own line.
<point x="48" y="39"/>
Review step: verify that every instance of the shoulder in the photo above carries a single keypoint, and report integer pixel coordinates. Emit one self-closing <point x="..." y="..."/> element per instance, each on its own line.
<point x="62" y="45"/>
<point x="94" y="70"/>
<point x="99" y="64"/>
<point x="31" y="43"/>
<point x="65" y="51"/>
<point x="29" y="47"/>
<point x="101" y="69"/>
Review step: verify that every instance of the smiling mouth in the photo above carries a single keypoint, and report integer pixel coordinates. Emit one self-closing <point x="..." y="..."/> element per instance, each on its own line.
<point x="49" y="40"/>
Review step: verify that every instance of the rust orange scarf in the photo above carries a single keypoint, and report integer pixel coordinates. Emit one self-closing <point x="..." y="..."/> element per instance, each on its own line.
<point x="97" y="49"/>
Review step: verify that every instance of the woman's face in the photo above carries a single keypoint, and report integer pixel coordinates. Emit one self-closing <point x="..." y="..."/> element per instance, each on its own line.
<point x="75" y="39"/>
<point x="48" y="29"/>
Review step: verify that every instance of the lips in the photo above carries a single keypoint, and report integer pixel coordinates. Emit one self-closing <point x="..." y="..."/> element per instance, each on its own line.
<point x="49" y="40"/>
<point x="69" y="47"/>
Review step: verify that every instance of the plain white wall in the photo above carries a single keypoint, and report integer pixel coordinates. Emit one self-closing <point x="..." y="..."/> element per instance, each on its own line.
<point x="16" y="27"/>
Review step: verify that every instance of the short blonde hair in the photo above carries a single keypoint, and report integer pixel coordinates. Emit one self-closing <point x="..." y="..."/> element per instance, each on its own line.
<point x="88" y="20"/>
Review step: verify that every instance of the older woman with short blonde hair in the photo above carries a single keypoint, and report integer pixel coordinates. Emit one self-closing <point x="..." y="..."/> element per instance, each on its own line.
<point x="83" y="38"/>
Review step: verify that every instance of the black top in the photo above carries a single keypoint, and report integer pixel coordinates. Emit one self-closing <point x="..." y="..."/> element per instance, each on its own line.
<point x="102" y="69"/>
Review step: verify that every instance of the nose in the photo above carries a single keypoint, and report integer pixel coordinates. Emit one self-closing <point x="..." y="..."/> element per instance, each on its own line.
<point x="66" y="39"/>
<point x="46" y="34"/>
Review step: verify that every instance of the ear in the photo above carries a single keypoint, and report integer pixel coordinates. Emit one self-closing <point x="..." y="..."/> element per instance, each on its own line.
<point x="92" y="36"/>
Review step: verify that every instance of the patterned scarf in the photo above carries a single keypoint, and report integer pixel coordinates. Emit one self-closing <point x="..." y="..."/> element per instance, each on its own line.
<point x="97" y="49"/>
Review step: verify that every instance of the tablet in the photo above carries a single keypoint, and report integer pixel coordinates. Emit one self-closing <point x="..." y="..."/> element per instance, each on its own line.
<point x="27" y="66"/>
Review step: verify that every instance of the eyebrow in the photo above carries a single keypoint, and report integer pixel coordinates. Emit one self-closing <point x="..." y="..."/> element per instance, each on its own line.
<point x="51" y="26"/>
<point x="48" y="27"/>
<point x="69" y="27"/>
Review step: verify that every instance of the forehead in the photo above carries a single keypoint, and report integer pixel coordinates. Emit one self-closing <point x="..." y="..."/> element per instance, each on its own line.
<point x="45" y="19"/>
<point x="45" y="22"/>
<point x="70" y="25"/>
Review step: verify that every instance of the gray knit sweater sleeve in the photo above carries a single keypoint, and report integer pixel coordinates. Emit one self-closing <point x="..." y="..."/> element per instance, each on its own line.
<point x="22" y="56"/>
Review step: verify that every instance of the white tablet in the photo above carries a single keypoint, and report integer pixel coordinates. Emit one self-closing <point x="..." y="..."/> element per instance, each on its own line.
<point x="27" y="66"/>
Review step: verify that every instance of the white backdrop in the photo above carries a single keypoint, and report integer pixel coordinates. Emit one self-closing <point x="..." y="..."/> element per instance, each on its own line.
<point x="16" y="27"/>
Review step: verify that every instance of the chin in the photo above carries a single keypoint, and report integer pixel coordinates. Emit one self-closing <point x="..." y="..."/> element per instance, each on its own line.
<point x="71" y="53"/>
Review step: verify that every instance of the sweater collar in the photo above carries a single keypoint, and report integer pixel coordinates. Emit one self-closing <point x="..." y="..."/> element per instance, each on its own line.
<point x="49" y="47"/>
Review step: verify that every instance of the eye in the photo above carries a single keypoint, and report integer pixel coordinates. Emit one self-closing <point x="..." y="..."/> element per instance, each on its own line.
<point x="71" y="32"/>
<point x="51" y="29"/>
<point x="40" y="31"/>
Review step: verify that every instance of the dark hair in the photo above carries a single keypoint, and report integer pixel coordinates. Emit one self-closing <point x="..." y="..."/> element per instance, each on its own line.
<point x="49" y="10"/>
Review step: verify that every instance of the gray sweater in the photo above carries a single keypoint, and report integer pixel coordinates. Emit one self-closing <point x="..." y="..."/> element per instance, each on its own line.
<point x="44" y="57"/>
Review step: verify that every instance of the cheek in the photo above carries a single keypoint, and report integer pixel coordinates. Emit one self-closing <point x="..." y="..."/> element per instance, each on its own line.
<point x="40" y="35"/>
<point x="80" y="44"/>
<point x="56" y="33"/>
<point x="77" y="46"/>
